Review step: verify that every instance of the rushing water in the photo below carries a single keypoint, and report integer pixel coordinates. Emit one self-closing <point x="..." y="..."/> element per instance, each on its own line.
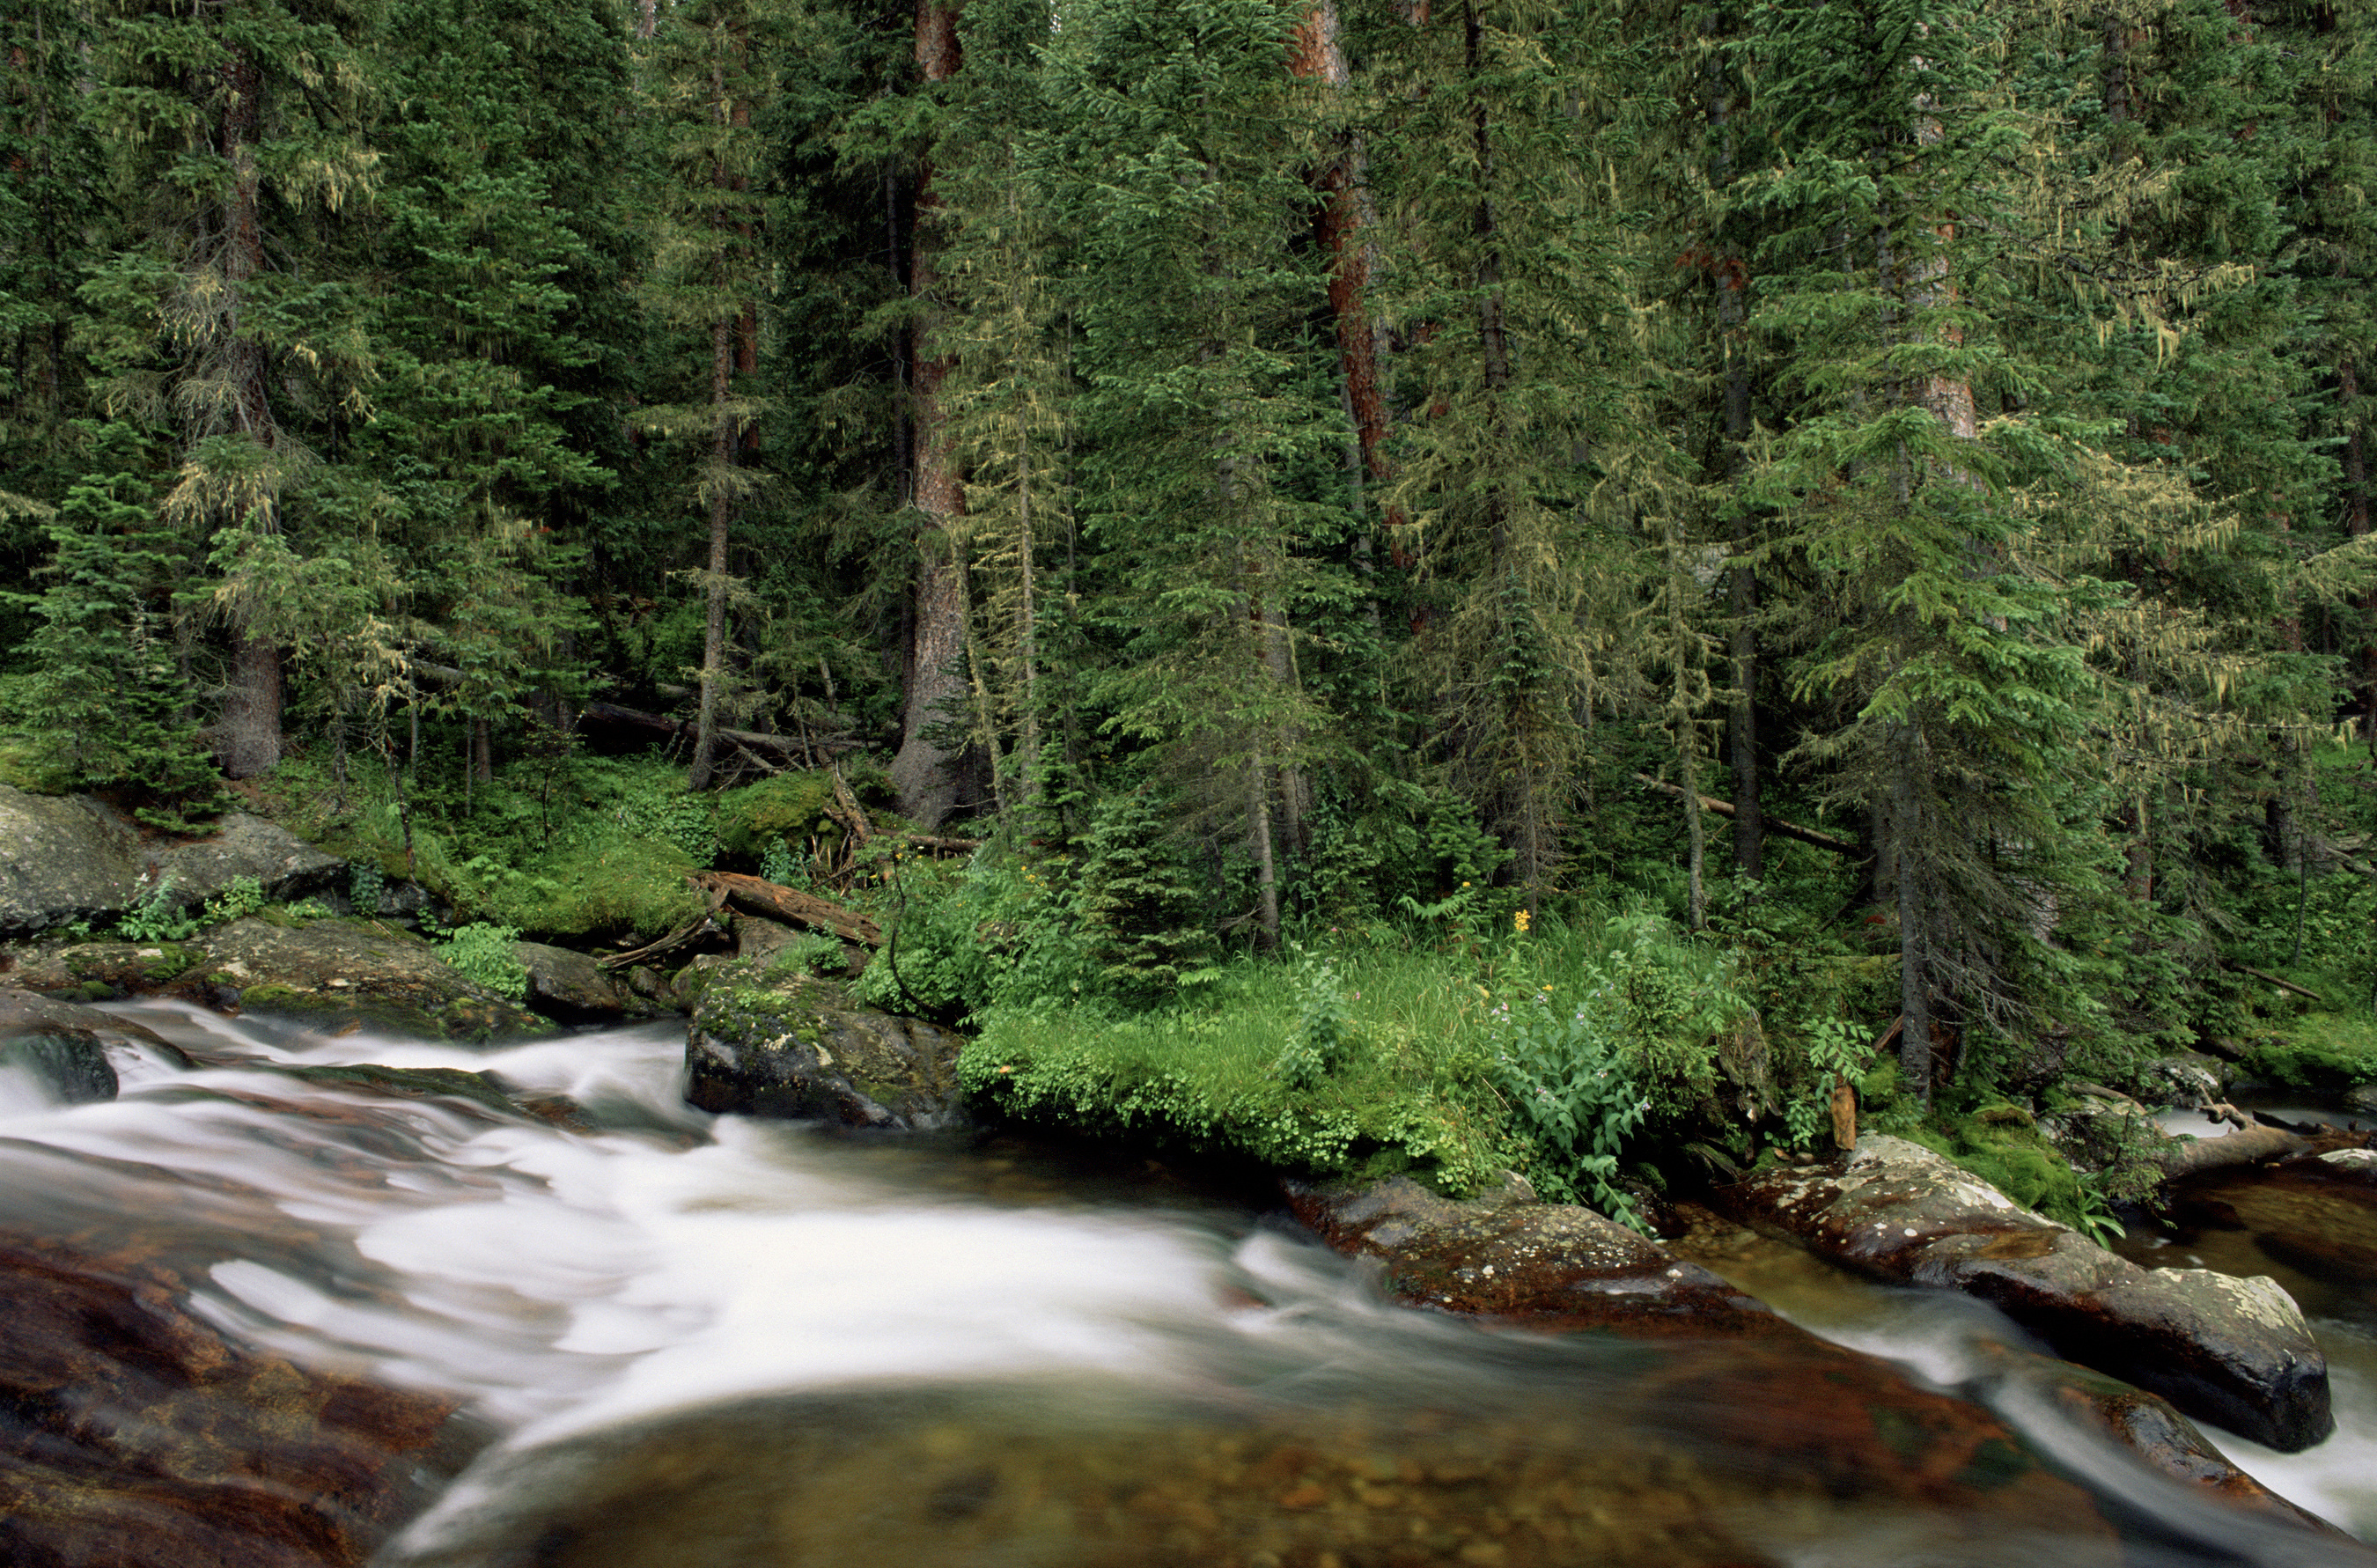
<point x="721" y="1342"/>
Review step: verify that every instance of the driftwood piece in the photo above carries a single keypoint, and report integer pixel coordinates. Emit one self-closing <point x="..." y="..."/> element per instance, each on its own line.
<point x="1789" y="830"/>
<point x="755" y="895"/>
<point x="2247" y="1146"/>
<point x="934" y="841"/>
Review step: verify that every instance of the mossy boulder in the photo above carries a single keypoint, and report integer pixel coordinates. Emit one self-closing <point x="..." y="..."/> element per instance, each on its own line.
<point x="338" y="970"/>
<point x="799" y="1047"/>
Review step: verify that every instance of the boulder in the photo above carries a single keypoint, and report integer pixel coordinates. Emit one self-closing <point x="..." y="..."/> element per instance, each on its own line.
<point x="139" y="1435"/>
<point x="340" y="971"/>
<point x="283" y="865"/>
<point x="1508" y="1255"/>
<point x="63" y="859"/>
<point x="799" y="1047"/>
<point x="97" y="971"/>
<point x="2233" y="1351"/>
<point x="574" y="988"/>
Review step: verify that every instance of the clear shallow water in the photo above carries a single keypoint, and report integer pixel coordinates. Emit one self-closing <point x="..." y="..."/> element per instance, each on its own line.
<point x="718" y="1341"/>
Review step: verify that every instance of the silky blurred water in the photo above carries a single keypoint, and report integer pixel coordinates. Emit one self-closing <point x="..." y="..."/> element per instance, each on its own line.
<point x="713" y="1340"/>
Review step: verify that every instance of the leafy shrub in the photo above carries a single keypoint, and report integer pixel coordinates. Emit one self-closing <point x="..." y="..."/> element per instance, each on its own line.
<point x="1324" y="1032"/>
<point x="1568" y="1077"/>
<point x="365" y="887"/>
<point x="483" y="954"/>
<point x="158" y="918"/>
<point x="242" y="898"/>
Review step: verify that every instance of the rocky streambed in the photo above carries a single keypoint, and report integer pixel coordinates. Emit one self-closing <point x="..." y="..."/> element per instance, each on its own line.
<point x="2147" y="1348"/>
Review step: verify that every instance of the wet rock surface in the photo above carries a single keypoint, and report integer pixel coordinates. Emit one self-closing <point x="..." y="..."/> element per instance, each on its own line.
<point x="798" y="1048"/>
<point x="2143" y="1423"/>
<point x="135" y="1434"/>
<point x="1507" y="1478"/>
<point x="2317" y="1212"/>
<point x="66" y="1045"/>
<point x="1509" y="1254"/>
<point x="333" y="971"/>
<point x="2232" y="1352"/>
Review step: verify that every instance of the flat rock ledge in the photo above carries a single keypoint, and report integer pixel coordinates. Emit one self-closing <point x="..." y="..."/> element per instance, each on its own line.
<point x="2235" y="1352"/>
<point x="1508" y="1255"/>
<point x="802" y="1050"/>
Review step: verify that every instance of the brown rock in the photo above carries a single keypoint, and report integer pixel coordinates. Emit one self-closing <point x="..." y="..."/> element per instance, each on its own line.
<point x="1507" y="1254"/>
<point x="140" y="1438"/>
<point x="2230" y="1350"/>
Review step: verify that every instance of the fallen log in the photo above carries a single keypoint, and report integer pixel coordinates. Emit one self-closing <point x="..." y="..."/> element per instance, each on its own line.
<point x="755" y="895"/>
<point x="1789" y="830"/>
<point x="2249" y="1146"/>
<point x="781" y="745"/>
<point x="2284" y="985"/>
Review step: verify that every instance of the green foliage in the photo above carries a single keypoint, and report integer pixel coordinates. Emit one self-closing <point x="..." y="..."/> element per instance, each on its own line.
<point x="483" y="954"/>
<point x="104" y="699"/>
<point x="158" y="917"/>
<point x="811" y="953"/>
<point x="243" y="897"/>
<point x="1835" y="1049"/>
<point x="1568" y="1077"/>
<point x="1324" y="1035"/>
<point x="366" y="885"/>
<point x="2320" y="1051"/>
<point x="1141" y="905"/>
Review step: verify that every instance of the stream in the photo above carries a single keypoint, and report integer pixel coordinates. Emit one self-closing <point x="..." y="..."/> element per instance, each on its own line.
<point x="699" y="1341"/>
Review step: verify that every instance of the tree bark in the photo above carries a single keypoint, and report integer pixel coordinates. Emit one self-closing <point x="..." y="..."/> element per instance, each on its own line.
<point x="922" y="771"/>
<point x="250" y="732"/>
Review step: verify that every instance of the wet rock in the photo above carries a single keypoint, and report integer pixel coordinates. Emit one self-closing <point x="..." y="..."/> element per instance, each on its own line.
<point x="100" y="971"/>
<point x="2362" y="1099"/>
<point x="1508" y="1255"/>
<point x="573" y="986"/>
<point x="336" y="970"/>
<point x="2233" y="1351"/>
<point x="63" y="859"/>
<point x="2318" y="1213"/>
<point x="137" y="1437"/>
<point x="71" y="1067"/>
<point x="799" y="1047"/>
<point x="66" y="1045"/>
<point x="2142" y="1423"/>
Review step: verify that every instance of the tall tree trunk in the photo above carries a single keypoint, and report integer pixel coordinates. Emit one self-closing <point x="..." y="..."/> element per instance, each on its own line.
<point x="714" y="638"/>
<point x="922" y="771"/>
<point x="1731" y="277"/>
<point x="250" y="732"/>
<point x="1347" y="220"/>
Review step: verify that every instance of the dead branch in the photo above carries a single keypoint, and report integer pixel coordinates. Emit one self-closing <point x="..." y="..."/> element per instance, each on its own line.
<point x="1789" y="830"/>
<point x="755" y="895"/>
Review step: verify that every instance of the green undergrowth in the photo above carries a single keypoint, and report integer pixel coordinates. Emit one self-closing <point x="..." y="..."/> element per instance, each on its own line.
<point x="1547" y="1048"/>
<point x="2320" y="1051"/>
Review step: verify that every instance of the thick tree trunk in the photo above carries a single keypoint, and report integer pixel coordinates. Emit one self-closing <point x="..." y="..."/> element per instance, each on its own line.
<point x="923" y="770"/>
<point x="248" y="740"/>
<point x="1731" y="277"/>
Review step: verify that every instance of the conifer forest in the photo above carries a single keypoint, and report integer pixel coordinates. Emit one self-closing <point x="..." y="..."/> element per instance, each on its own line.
<point x="1856" y="514"/>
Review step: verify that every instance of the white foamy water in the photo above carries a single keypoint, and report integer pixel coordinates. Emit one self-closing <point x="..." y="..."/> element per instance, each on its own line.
<point x="655" y="1261"/>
